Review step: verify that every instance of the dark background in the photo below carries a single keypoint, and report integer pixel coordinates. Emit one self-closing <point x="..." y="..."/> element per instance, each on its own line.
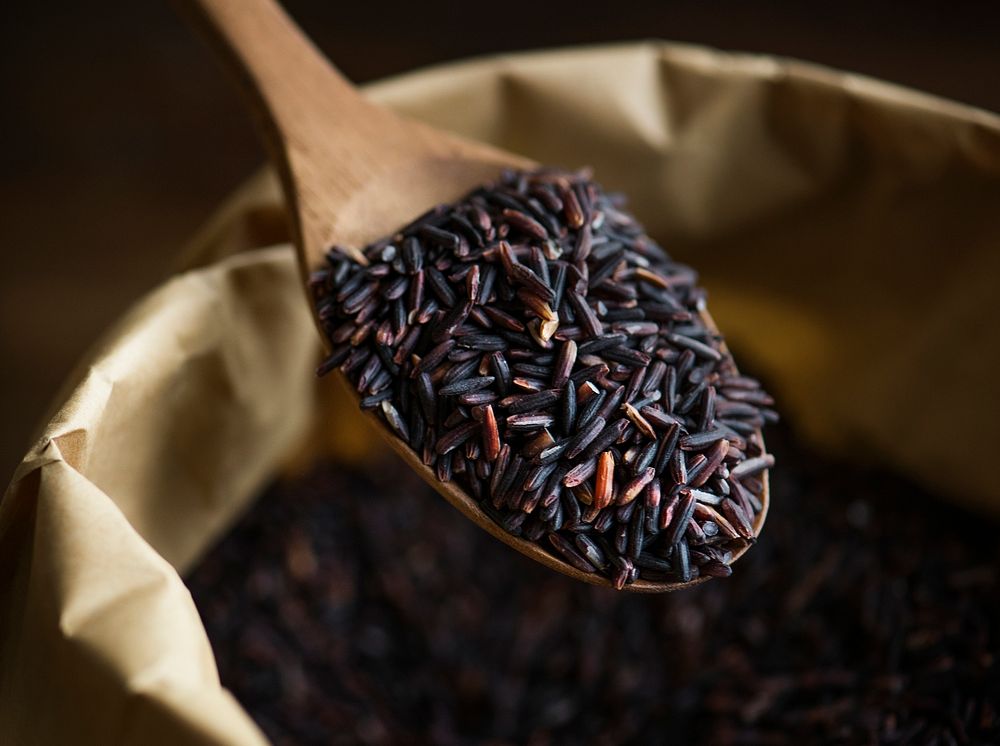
<point x="120" y="134"/>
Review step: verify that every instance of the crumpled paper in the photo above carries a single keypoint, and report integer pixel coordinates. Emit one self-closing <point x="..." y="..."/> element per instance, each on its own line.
<point x="848" y="232"/>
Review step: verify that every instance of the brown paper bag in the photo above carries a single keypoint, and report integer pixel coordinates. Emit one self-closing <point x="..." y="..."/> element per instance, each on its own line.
<point x="848" y="232"/>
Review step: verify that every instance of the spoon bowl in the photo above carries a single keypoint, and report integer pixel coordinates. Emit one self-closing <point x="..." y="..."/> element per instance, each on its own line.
<point x="353" y="172"/>
<point x="464" y="503"/>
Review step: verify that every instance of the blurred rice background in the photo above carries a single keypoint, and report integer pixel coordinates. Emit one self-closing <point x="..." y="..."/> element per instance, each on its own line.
<point x="121" y="134"/>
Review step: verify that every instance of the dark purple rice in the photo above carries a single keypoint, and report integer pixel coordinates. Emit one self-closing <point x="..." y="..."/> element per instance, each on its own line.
<point x="869" y="613"/>
<point x="540" y="299"/>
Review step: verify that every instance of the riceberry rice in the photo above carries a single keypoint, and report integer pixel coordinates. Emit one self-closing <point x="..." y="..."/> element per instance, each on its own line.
<point x="534" y="345"/>
<point x="870" y="614"/>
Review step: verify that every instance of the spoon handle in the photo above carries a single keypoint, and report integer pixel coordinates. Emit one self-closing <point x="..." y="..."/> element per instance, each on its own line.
<point x="351" y="171"/>
<point x="278" y="66"/>
<point x="314" y="122"/>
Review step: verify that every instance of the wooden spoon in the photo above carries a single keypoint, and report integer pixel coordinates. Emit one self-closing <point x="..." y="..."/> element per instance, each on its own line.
<point x="353" y="172"/>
